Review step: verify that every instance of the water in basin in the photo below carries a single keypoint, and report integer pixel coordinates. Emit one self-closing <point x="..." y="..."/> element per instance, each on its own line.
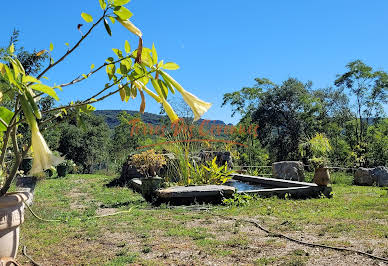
<point x="243" y="186"/>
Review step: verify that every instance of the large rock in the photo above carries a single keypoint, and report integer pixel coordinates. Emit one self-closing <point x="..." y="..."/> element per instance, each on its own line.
<point x="380" y="175"/>
<point x="288" y="170"/>
<point x="364" y="177"/>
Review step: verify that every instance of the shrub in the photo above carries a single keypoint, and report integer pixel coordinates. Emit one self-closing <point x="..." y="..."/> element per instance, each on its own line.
<point x="148" y="162"/>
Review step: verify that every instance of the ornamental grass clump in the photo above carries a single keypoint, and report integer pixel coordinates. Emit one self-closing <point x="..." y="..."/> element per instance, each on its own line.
<point x="148" y="162"/>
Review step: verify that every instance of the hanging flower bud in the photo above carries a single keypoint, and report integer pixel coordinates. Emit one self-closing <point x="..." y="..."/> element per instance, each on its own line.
<point x="131" y="27"/>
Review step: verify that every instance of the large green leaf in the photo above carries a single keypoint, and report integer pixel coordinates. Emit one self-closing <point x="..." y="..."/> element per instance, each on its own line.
<point x="102" y="4"/>
<point x="27" y="79"/>
<point x="6" y="115"/>
<point x="45" y="89"/>
<point x="154" y="55"/>
<point x="122" y="12"/>
<point x="127" y="47"/>
<point x="88" y="18"/>
<point x="118" y="52"/>
<point x="120" y="2"/>
<point x="170" y="66"/>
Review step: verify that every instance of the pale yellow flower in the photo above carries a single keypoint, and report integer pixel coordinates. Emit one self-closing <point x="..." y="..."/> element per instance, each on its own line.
<point x="170" y="112"/>
<point x="198" y="106"/>
<point x="43" y="158"/>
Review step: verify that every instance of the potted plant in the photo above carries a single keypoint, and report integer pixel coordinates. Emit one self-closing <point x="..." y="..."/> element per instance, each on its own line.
<point x="318" y="147"/>
<point x="149" y="164"/>
<point x="65" y="167"/>
<point x="128" y="73"/>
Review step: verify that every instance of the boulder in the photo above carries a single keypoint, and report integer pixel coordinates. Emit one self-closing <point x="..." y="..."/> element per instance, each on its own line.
<point x="128" y="171"/>
<point x="364" y="177"/>
<point x="288" y="170"/>
<point x="380" y="174"/>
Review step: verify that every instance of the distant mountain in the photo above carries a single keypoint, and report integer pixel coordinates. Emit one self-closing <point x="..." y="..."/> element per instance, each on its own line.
<point x="154" y="119"/>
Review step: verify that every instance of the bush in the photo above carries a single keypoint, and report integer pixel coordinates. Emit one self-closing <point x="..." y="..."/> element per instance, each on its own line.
<point x="148" y="162"/>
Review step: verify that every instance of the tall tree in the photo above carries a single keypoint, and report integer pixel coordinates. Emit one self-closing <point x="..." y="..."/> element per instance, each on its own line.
<point x="369" y="89"/>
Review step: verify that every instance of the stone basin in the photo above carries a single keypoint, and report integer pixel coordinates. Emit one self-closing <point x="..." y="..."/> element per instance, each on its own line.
<point x="195" y="194"/>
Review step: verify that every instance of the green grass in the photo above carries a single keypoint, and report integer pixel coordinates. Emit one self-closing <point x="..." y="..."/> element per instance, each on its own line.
<point x="148" y="234"/>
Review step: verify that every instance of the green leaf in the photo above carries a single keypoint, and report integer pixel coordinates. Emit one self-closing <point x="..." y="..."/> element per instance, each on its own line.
<point x="123" y="69"/>
<point x="6" y="115"/>
<point x="28" y="79"/>
<point x="87" y="108"/>
<point x="127" y="63"/>
<point x="102" y="4"/>
<point x="122" y="12"/>
<point x="123" y="95"/>
<point x="163" y="88"/>
<point x="170" y="66"/>
<point x="110" y="70"/>
<point x="118" y="52"/>
<point x="127" y="47"/>
<point x="112" y="19"/>
<point x="154" y="54"/>
<point x="51" y="46"/>
<point x="107" y="27"/>
<point x="167" y="82"/>
<point x="157" y="88"/>
<point x="92" y="67"/>
<point x="84" y="76"/>
<point x="127" y="90"/>
<point x="45" y="89"/>
<point x="88" y="18"/>
<point x="160" y="64"/>
<point x="12" y="48"/>
<point x="133" y="92"/>
<point x="120" y="2"/>
<point x="66" y="43"/>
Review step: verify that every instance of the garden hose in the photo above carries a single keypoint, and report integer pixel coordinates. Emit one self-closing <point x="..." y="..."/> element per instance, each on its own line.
<point x="258" y="225"/>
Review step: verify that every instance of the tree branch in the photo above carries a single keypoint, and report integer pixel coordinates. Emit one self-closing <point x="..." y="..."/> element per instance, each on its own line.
<point x="81" y="78"/>
<point x="73" y="48"/>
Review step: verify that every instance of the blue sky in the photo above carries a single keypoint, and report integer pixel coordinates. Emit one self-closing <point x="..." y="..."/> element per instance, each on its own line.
<point x="221" y="46"/>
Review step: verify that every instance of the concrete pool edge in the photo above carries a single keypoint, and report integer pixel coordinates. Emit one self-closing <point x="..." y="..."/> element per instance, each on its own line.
<point x="294" y="189"/>
<point x="193" y="194"/>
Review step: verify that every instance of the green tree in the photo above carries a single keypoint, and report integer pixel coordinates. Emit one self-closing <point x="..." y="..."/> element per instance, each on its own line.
<point x="87" y="146"/>
<point x="377" y="137"/>
<point x="369" y="89"/>
<point x="287" y="114"/>
<point x="124" y="140"/>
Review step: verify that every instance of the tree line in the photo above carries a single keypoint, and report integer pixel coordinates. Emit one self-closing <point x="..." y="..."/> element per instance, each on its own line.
<point x="350" y="113"/>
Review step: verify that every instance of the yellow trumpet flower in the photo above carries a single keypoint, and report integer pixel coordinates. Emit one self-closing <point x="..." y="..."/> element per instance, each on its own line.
<point x="198" y="106"/>
<point x="170" y="112"/>
<point x="43" y="158"/>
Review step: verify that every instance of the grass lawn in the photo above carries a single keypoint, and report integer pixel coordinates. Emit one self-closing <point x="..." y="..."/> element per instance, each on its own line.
<point x="356" y="217"/>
